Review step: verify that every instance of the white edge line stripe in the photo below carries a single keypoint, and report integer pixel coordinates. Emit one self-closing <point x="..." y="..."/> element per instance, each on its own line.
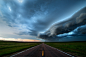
<point x="62" y="51"/>
<point x="23" y="51"/>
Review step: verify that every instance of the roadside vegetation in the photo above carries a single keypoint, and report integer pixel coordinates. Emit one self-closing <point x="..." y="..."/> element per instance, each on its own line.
<point x="8" y="47"/>
<point x="75" y="48"/>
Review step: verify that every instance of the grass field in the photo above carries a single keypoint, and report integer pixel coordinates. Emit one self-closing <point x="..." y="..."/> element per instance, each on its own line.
<point x="75" y="48"/>
<point x="7" y="47"/>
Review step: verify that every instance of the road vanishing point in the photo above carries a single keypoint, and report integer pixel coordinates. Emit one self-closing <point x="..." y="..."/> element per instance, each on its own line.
<point x="42" y="50"/>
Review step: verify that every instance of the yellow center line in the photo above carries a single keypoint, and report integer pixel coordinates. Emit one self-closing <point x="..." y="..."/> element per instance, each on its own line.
<point x="42" y="53"/>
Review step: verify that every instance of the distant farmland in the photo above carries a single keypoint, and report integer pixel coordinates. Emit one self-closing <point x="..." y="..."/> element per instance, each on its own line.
<point x="75" y="48"/>
<point x="7" y="47"/>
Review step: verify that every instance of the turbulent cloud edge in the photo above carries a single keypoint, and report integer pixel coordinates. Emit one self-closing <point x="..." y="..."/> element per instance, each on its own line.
<point x="77" y="22"/>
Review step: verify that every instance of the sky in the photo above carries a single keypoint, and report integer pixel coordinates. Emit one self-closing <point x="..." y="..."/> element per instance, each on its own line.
<point x="26" y="19"/>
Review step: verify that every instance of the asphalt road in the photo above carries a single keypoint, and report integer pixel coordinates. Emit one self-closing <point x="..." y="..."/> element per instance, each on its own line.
<point x="41" y="50"/>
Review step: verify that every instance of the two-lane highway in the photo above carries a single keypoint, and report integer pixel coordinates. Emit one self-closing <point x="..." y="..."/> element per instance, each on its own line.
<point x="41" y="50"/>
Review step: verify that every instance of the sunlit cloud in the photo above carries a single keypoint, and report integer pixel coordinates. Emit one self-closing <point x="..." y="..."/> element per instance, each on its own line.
<point x="9" y="8"/>
<point x="20" y="1"/>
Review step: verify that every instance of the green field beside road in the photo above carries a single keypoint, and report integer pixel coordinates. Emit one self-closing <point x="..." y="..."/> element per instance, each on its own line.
<point x="7" y="47"/>
<point x="74" y="48"/>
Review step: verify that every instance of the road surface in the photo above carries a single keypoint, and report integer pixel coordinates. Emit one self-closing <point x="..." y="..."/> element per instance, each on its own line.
<point x="41" y="50"/>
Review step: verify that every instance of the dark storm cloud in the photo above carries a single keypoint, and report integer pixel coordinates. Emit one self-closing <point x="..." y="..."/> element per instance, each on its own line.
<point x="69" y="25"/>
<point x="33" y="33"/>
<point x="77" y="22"/>
<point x="34" y="16"/>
